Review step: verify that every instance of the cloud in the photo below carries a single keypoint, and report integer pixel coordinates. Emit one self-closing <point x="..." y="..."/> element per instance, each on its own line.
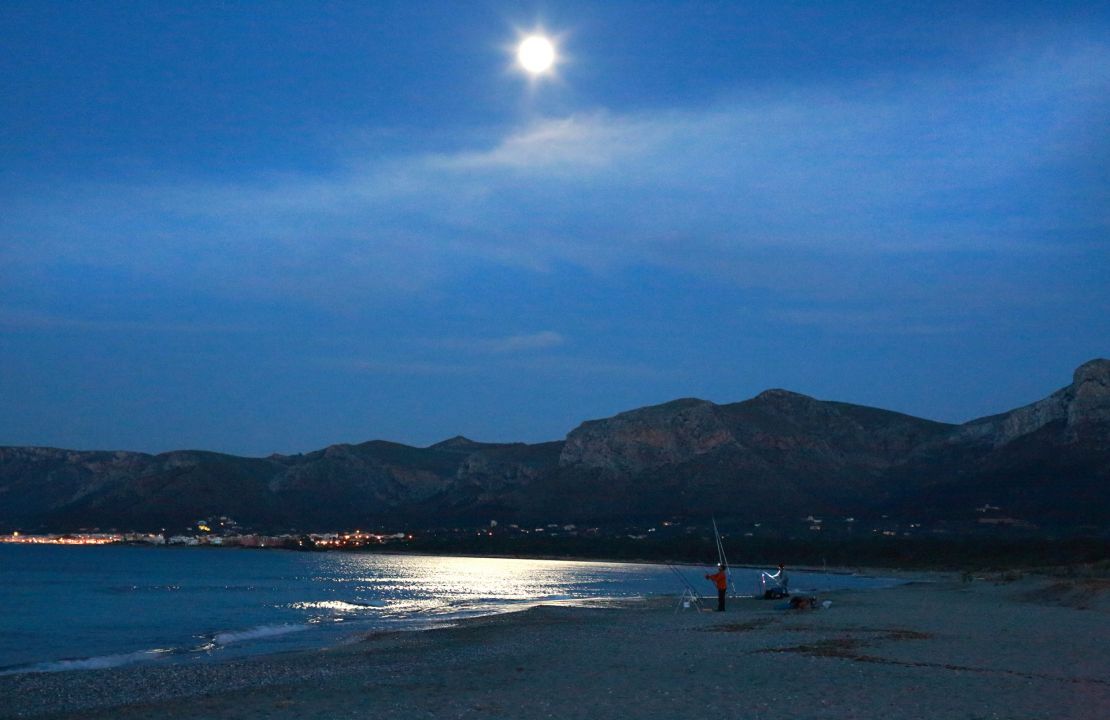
<point x="521" y="343"/>
<point x="574" y="144"/>
<point x="22" y="320"/>
<point x="542" y="340"/>
<point x="759" y="189"/>
<point x="869" y="322"/>
<point x="513" y="354"/>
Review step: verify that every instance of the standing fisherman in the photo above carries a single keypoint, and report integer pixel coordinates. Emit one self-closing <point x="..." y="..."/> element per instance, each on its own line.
<point x="720" y="579"/>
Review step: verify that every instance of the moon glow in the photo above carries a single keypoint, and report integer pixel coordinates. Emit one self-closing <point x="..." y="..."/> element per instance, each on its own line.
<point x="536" y="54"/>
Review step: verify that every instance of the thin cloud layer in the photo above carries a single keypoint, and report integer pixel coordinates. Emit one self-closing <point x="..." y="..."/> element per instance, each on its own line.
<point x="543" y="340"/>
<point x="739" y="189"/>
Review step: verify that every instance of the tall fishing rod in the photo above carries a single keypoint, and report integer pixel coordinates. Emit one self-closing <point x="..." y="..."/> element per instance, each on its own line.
<point x="722" y="559"/>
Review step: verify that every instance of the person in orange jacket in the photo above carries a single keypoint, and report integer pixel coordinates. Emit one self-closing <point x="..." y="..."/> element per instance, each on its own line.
<point x="720" y="579"/>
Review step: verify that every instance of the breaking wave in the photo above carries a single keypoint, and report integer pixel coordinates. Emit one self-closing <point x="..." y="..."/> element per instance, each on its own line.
<point x="261" y="632"/>
<point x="101" y="662"/>
<point x="93" y="663"/>
<point x="339" y="605"/>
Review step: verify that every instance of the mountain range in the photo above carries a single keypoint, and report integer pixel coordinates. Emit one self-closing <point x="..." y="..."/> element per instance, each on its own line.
<point x="775" y="458"/>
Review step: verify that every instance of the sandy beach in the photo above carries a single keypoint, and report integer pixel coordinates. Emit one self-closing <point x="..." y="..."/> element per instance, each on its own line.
<point x="1031" y="647"/>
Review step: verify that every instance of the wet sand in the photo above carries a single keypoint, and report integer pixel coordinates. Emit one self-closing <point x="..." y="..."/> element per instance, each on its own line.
<point x="1030" y="648"/>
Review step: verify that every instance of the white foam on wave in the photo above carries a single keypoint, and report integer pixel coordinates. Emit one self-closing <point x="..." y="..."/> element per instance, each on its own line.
<point x="93" y="663"/>
<point x="340" y="605"/>
<point x="261" y="632"/>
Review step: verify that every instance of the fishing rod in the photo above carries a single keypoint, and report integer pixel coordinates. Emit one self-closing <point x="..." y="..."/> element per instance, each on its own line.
<point x="685" y="581"/>
<point x="689" y="586"/>
<point x="722" y="559"/>
<point x="690" y="594"/>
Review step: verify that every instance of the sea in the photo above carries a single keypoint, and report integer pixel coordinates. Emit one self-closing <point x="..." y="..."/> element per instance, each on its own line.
<point x="72" y="608"/>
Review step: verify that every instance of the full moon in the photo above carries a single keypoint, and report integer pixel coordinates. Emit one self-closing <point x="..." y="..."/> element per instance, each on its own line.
<point x="536" y="54"/>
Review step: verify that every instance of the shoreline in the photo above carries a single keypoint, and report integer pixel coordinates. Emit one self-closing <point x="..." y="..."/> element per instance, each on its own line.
<point x="184" y="657"/>
<point x="1026" y="648"/>
<point x="203" y="650"/>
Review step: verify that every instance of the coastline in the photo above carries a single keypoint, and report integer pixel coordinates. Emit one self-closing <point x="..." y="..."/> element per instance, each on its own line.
<point x="934" y="647"/>
<point x="147" y="606"/>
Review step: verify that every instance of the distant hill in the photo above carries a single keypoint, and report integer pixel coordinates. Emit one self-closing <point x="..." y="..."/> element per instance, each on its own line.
<point x="777" y="457"/>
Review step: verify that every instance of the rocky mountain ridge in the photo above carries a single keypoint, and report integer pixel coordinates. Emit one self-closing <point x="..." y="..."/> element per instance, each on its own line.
<point x="1085" y="401"/>
<point x="776" y="456"/>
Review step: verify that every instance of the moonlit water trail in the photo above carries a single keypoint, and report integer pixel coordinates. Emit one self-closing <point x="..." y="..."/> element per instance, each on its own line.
<point x="74" y="608"/>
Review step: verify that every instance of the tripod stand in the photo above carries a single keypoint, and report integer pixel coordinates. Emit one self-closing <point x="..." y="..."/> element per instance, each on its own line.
<point x="690" y="597"/>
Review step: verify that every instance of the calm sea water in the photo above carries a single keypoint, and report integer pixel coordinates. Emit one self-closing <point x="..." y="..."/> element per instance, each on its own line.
<point x="74" y="608"/>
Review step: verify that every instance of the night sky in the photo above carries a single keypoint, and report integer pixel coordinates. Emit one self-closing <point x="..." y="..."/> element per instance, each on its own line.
<point x="269" y="227"/>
